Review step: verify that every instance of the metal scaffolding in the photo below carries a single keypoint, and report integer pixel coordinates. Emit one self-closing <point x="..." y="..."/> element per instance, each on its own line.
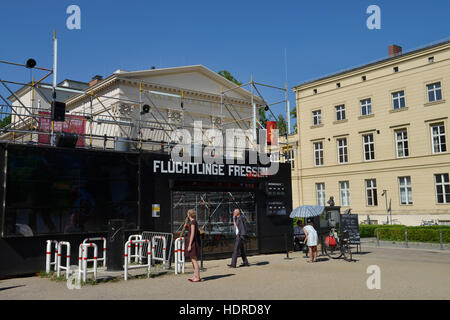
<point x="123" y="121"/>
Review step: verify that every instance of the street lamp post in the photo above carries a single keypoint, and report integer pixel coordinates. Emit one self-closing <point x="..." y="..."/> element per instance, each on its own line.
<point x="387" y="213"/>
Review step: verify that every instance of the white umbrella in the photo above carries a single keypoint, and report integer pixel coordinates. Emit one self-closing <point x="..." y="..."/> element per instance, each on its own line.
<point x="307" y="211"/>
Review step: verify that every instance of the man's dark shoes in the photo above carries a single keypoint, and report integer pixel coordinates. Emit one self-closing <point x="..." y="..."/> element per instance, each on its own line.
<point x="231" y="266"/>
<point x="244" y="265"/>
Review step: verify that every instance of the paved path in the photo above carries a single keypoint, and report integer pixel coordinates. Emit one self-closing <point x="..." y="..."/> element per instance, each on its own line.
<point x="405" y="274"/>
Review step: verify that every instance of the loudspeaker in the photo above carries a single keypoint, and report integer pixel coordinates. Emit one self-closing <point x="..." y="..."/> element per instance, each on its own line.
<point x="58" y="111"/>
<point x="66" y="140"/>
<point x="31" y="63"/>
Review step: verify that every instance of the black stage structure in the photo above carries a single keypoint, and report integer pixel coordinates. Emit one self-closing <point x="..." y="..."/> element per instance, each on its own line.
<point x="51" y="193"/>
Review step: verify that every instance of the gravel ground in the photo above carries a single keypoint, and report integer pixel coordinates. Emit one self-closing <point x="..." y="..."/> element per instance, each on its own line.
<point x="405" y="274"/>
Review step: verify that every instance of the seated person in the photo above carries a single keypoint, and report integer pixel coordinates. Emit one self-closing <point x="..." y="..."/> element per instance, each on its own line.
<point x="299" y="235"/>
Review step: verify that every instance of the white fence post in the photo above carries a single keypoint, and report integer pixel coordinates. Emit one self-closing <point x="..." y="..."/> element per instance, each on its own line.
<point x="127" y="255"/>
<point x="48" y="256"/>
<point x="83" y="260"/>
<point x="103" y="258"/>
<point x="179" y="255"/>
<point x="138" y="248"/>
<point x="58" y="264"/>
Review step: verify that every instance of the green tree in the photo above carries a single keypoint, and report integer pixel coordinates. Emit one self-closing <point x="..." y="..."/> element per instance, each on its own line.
<point x="282" y="125"/>
<point x="227" y="75"/>
<point x="5" y="121"/>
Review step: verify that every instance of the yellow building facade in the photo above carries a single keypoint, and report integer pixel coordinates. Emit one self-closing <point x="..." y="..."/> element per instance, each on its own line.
<point x="376" y="139"/>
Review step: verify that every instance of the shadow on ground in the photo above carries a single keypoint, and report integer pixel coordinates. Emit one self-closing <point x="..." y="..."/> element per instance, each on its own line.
<point x="217" y="276"/>
<point x="7" y="288"/>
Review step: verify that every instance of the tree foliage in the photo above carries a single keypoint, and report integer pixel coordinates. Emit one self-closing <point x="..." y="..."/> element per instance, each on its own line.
<point x="5" y="121"/>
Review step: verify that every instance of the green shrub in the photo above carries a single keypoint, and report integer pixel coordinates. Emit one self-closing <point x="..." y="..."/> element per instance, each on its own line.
<point x="415" y="234"/>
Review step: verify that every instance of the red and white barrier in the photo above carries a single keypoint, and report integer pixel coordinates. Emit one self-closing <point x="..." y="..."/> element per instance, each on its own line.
<point x="48" y="255"/>
<point x="59" y="267"/>
<point x="155" y="253"/>
<point x="127" y="250"/>
<point x="138" y="248"/>
<point x="103" y="257"/>
<point x="83" y="260"/>
<point x="179" y="255"/>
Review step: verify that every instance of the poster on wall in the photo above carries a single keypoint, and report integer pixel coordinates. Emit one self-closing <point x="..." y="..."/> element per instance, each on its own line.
<point x="73" y="124"/>
<point x="156" y="209"/>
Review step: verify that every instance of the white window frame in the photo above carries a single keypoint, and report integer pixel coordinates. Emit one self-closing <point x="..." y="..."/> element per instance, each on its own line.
<point x="372" y="189"/>
<point x="434" y="88"/>
<point x="371" y="145"/>
<point x="340" y="112"/>
<point x="441" y="147"/>
<point x="318" y="152"/>
<point x="317" y="117"/>
<point x="320" y="193"/>
<point x="344" y="191"/>
<point x="400" y="95"/>
<point x="401" y="143"/>
<point x="404" y="184"/>
<point x="342" y="150"/>
<point x="366" y="104"/>
<point x="443" y="184"/>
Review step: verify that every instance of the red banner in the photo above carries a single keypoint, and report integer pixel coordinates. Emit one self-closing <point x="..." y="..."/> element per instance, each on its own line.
<point x="73" y="124"/>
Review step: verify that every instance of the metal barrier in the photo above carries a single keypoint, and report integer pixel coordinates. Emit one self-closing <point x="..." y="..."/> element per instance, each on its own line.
<point x="158" y="251"/>
<point x="127" y="250"/>
<point x="83" y="260"/>
<point x="48" y="255"/>
<point x="59" y="267"/>
<point x="179" y="255"/>
<point x="138" y="248"/>
<point x="99" y="259"/>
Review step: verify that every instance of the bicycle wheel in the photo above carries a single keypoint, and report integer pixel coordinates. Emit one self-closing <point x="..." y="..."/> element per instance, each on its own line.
<point x="334" y="252"/>
<point x="347" y="252"/>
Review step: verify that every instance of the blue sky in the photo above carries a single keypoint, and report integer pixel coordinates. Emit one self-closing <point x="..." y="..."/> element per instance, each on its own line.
<point x="244" y="37"/>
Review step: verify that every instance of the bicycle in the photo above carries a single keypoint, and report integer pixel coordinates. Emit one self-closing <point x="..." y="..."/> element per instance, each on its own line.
<point x="336" y="247"/>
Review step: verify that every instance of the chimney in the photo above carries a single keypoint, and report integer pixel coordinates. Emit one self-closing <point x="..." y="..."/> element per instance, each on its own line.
<point x="96" y="79"/>
<point x="395" y="50"/>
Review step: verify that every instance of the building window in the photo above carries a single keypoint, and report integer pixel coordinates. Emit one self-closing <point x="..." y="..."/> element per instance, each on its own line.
<point x="398" y="100"/>
<point x="318" y="153"/>
<point x="434" y="92"/>
<point x="366" y="107"/>
<point x="344" y="187"/>
<point x="401" y="141"/>
<point x="395" y="69"/>
<point x="315" y="91"/>
<point x="342" y="150"/>
<point x="438" y="138"/>
<point x="371" y="192"/>
<point x="405" y="190"/>
<point x="430" y="59"/>
<point x="290" y="156"/>
<point x="320" y="192"/>
<point x="338" y="85"/>
<point x="340" y="112"/>
<point x="442" y="188"/>
<point x="317" y="117"/>
<point x="364" y="78"/>
<point x="369" y="147"/>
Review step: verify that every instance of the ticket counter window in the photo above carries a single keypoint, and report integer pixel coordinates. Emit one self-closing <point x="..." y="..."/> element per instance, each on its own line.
<point x="215" y="217"/>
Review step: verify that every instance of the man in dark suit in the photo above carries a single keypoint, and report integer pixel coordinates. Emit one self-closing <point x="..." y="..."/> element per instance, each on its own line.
<point x="240" y="225"/>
